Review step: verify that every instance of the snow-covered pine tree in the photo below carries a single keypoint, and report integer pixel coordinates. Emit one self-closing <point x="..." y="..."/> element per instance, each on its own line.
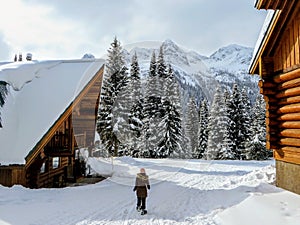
<point x="3" y="93"/>
<point x="170" y="125"/>
<point x="203" y="130"/>
<point x="246" y="121"/>
<point x="136" y="107"/>
<point x="235" y="114"/>
<point x="215" y="129"/>
<point x="151" y="111"/>
<point x="227" y="146"/>
<point x="192" y="126"/>
<point x="161" y="73"/>
<point x="114" y="81"/>
<point x="256" y="146"/>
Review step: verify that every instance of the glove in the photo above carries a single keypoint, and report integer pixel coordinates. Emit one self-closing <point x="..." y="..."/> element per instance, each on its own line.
<point x="134" y="189"/>
<point x="148" y="186"/>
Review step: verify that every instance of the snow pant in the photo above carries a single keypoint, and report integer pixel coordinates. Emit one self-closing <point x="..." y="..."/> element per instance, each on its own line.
<point x="141" y="202"/>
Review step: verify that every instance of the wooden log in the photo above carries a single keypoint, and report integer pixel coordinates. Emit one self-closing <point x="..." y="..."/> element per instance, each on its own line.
<point x="271" y="138"/>
<point x="289" y="100"/>
<point x="287" y="76"/>
<point x="266" y="84"/>
<point x="292" y="108"/>
<point x="288" y="154"/>
<point x="288" y="93"/>
<point x="289" y="125"/>
<point x="271" y="114"/>
<point x="290" y="149"/>
<point x="293" y="133"/>
<point x="289" y="117"/>
<point x="270" y="99"/>
<point x="271" y="122"/>
<point x="289" y="142"/>
<point x="271" y="106"/>
<point x="297" y="40"/>
<point x="289" y="84"/>
<point x="267" y="91"/>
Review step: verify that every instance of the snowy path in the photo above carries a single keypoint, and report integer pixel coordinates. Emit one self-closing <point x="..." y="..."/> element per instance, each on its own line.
<point x="182" y="192"/>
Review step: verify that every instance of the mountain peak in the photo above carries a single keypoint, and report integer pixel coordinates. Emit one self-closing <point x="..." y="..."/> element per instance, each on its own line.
<point x="232" y="54"/>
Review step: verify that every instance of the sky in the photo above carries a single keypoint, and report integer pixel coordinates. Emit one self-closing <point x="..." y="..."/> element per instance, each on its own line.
<point x="67" y="29"/>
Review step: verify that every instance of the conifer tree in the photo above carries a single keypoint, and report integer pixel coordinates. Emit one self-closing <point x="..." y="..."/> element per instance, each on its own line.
<point x="256" y="146"/>
<point x="192" y="125"/>
<point x="136" y="106"/>
<point x="114" y="81"/>
<point x="161" y="72"/>
<point x="170" y="125"/>
<point x="3" y="93"/>
<point x="227" y="146"/>
<point x="236" y="121"/>
<point x="215" y="129"/>
<point x="203" y="129"/>
<point x="151" y="111"/>
<point x="246" y="121"/>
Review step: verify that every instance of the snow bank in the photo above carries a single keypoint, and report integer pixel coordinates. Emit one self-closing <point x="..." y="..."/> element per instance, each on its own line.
<point x="281" y="207"/>
<point x="185" y="192"/>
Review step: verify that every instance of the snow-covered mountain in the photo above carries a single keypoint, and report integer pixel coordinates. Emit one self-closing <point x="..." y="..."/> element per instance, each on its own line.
<point x="200" y="75"/>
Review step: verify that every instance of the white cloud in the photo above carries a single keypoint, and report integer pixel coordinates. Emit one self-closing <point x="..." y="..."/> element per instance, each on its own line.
<point x="36" y="28"/>
<point x="68" y="29"/>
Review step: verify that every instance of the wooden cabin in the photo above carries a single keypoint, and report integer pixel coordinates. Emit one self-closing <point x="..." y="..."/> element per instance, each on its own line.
<point x="55" y="158"/>
<point x="277" y="60"/>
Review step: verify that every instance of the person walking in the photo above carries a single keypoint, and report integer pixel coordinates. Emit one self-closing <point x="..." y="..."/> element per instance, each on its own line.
<point x="141" y="187"/>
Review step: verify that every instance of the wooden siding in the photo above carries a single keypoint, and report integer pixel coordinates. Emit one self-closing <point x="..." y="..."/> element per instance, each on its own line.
<point x="13" y="174"/>
<point x="287" y="55"/>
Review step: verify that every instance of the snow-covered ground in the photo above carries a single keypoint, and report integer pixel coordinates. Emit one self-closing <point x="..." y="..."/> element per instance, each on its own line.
<point x="182" y="192"/>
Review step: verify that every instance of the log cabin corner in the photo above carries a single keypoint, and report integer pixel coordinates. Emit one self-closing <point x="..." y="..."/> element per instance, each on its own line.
<point x="276" y="59"/>
<point x="54" y="159"/>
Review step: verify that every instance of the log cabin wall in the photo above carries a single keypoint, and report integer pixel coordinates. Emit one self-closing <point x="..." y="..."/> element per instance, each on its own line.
<point x="279" y="67"/>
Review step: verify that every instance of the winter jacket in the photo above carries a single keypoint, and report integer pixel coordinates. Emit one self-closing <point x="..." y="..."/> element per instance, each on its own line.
<point x="141" y="185"/>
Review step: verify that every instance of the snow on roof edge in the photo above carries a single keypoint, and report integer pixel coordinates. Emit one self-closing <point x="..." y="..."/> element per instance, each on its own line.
<point x="265" y="31"/>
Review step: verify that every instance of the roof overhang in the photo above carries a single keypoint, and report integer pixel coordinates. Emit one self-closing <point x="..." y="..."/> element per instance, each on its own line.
<point x="272" y="29"/>
<point x="261" y="44"/>
<point x="269" y="4"/>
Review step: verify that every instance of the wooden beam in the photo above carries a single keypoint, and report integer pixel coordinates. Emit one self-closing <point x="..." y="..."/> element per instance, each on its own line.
<point x="292" y="108"/>
<point x="288" y="154"/>
<point x="289" y="117"/>
<point x="290" y="125"/>
<point x="290" y="100"/>
<point x="289" y="142"/>
<point x="293" y="133"/>
<point x="289" y="84"/>
<point x="289" y="93"/>
<point x="294" y="74"/>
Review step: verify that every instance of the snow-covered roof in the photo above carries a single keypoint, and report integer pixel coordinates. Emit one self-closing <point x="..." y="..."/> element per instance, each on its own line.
<point x="38" y="93"/>
<point x="264" y="33"/>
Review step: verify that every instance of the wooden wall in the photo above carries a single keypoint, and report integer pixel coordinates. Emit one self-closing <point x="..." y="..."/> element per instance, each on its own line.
<point x="13" y="174"/>
<point x="85" y="113"/>
<point x="55" y="177"/>
<point x="287" y="56"/>
<point x="280" y="86"/>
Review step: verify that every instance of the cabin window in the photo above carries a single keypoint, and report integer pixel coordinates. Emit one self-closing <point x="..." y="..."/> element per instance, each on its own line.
<point x="55" y="162"/>
<point x="43" y="168"/>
